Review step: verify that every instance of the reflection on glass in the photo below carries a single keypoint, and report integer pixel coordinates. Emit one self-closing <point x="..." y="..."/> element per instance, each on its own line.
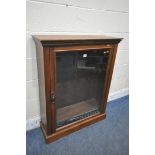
<point x="79" y="86"/>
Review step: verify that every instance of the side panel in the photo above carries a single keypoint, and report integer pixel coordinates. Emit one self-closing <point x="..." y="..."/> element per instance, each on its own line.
<point x="41" y="81"/>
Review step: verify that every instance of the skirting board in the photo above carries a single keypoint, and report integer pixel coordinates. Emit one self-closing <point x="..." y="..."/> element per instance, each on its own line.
<point x="34" y="122"/>
<point x="118" y="94"/>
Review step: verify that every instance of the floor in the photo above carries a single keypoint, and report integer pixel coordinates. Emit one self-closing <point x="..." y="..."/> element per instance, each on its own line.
<point x="107" y="137"/>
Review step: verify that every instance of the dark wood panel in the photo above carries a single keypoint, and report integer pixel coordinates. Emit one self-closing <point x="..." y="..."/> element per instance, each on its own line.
<point x="109" y="76"/>
<point x="47" y="88"/>
<point x="106" y="81"/>
<point x="82" y="47"/>
<point x="52" y="88"/>
<point x="68" y="40"/>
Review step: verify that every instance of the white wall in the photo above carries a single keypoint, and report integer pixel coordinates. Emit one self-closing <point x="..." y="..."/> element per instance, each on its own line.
<point x="108" y="17"/>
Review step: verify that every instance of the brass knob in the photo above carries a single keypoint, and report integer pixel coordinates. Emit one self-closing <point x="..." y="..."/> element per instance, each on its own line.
<point x="52" y="98"/>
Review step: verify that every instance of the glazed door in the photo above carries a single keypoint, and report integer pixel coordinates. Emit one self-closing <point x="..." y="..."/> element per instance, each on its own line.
<point x="80" y="78"/>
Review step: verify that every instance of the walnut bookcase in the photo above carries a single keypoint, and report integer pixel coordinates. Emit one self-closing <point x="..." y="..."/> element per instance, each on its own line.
<point x="74" y="73"/>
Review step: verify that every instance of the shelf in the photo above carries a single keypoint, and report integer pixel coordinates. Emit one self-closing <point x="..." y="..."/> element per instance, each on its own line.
<point x="76" y="111"/>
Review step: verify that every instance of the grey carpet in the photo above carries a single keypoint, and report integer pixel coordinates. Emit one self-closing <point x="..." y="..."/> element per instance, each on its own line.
<point x="107" y="137"/>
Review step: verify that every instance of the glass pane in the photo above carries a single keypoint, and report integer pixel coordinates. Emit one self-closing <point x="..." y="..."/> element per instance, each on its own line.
<point x="79" y="86"/>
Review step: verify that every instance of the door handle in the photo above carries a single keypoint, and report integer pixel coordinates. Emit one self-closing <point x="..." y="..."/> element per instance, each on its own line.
<point x="53" y="98"/>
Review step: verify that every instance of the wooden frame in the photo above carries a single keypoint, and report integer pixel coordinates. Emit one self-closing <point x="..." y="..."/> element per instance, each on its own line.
<point x="46" y="61"/>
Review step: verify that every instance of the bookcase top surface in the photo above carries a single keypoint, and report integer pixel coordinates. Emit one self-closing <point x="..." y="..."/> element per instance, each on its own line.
<point x="73" y="37"/>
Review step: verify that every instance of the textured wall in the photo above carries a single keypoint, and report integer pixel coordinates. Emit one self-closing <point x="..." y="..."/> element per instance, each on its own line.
<point x="108" y="17"/>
